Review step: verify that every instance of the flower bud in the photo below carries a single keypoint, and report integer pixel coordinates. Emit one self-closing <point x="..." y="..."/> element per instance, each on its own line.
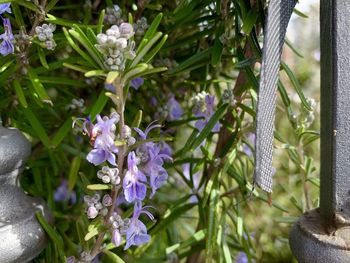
<point x="121" y="43"/>
<point x="126" y="30"/>
<point x="107" y="200"/>
<point x="99" y="206"/>
<point x="116" y="237"/>
<point x="111" y="40"/>
<point x="101" y="38"/>
<point x="92" y="212"/>
<point x="104" y="211"/>
<point x="96" y="198"/>
<point x="106" y="179"/>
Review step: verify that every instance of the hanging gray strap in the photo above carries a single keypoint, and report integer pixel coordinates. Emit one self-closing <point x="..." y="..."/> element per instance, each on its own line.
<point x="278" y="16"/>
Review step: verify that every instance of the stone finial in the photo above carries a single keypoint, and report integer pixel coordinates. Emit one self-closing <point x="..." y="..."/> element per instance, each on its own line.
<point x="21" y="236"/>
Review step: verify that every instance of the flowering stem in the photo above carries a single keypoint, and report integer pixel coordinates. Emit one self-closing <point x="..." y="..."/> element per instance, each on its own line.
<point x="121" y="155"/>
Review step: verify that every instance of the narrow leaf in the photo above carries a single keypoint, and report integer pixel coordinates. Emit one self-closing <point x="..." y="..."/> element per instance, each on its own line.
<point x="73" y="172"/>
<point x="20" y="94"/>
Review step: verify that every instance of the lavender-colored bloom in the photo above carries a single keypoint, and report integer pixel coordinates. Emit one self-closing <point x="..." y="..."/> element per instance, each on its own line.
<point x="136" y="234"/>
<point x="133" y="183"/>
<point x="206" y="111"/>
<point x="116" y="237"/>
<point x="165" y="148"/>
<point x="175" y="110"/>
<point x="246" y="148"/>
<point x="154" y="168"/>
<point x="103" y="135"/>
<point x="110" y="87"/>
<point x="152" y="159"/>
<point x="62" y="193"/>
<point x="242" y="258"/>
<point x="153" y="101"/>
<point x="136" y="83"/>
<point x="5" y="7"/>
<point x="6" y="46"/>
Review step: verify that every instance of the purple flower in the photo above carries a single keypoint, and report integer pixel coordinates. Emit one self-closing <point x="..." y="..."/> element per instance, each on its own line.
<point x="152" y="159"/>
<point x="154" y="168"/>
<point x="6" y="46"/>
<point x="5" y="8"/>
<point x="116" y="237"/>
<point x="62" y="193"/>
<point x="102" y="136"/>
<point x="165" y="148"/>
<point x="174" y="107"/>
<point x="133" y="183"/>
<point x="205" y="109"/>
<point x="241" y="257"/>
<point x="247" y="148"/>
<point x="109" y="87"/>
<point x="136" y="83"/>
<point x="153" y="101"/>
<point x="150" y="127"/>
<point x="136" y="234"/>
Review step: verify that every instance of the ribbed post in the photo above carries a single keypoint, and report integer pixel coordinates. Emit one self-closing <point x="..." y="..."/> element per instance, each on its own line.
<point x="323" y="235"/>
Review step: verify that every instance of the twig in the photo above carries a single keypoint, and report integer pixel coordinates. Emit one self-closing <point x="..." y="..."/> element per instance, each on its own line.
<point x="121" y="155"/>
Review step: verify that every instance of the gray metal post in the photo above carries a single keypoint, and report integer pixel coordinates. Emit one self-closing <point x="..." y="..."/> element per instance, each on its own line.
<point x="323" y="234"/>
<point x="21" y="236"/>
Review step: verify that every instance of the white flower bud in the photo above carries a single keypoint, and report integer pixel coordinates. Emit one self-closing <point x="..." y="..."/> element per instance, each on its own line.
<point x="109" y="61"/>
<point x="91" y="212"/>
<point x="101" y="38"/>
<point x="100" y="174"/>
<point x="96" y="198"/>
<point x="113" y="31"/>
<point x="48" y="34"/>
<point x="106" y="179"/>
<point x="99" y="206"/>
<point x="107" y="200"/>
<point x="104" y="211"/>
<point x="126" y="30"/>
<point x="42" y="37"/>
<point x="111" y="41"/>
<point x="38" y="30"/>
<point x="121" y="43"/>
<point x="50" y="44"/>
<point x="131" y="141"/>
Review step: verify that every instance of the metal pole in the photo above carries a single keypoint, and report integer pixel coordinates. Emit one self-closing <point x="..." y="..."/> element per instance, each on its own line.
<point x="323" y="235"/>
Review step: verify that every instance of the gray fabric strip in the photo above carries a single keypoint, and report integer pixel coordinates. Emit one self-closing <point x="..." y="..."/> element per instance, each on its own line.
<point x="278" y="16"/>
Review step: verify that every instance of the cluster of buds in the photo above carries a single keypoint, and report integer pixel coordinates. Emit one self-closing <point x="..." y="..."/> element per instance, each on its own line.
<point x="141" y="26"/>
<point x="119" y="227"/>
<point x="203" y="106"/>
<point x="162" y="112"/>
<point x="109" y="175"/>
<point x="76" y="104"/>
<point x="198" y="101"/>
<point x="228" y="97"/>
<point x="45" y="34"/>
<point x="118" y="223"/>
<point x="95" y="206"/>
<point x="126" y="135"/>
<point x="113" y="15"/>
<point x="116" y="46"/>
